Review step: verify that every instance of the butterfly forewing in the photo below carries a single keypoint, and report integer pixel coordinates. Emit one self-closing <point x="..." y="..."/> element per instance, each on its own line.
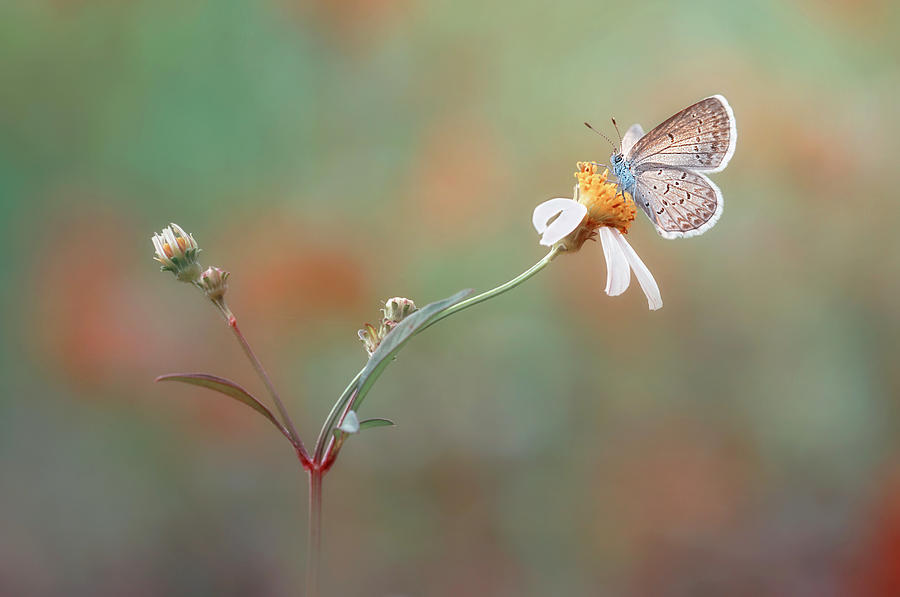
<point x="680" y="203"/>
<point x="700" y="137"/>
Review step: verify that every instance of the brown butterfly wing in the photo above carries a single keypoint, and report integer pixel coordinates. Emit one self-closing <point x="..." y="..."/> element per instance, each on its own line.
<point x="700" y="137"/>
<point x="679" y="202"/>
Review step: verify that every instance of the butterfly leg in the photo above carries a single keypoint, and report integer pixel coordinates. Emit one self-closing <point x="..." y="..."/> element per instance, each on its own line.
<point x="621" y="189"/>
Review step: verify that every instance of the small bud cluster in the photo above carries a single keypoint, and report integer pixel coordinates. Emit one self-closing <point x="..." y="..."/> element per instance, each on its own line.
<point x="177" y="251"/>
<point x="395" y="310"/>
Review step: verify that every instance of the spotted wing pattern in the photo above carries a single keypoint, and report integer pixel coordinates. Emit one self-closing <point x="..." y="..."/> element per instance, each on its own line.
<point x="700" y="137"/>
<point x="679" y="202"/>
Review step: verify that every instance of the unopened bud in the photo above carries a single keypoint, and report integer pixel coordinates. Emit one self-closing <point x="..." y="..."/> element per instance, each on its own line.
<point x="214" y="283"/>
<point x="397" y="309"/>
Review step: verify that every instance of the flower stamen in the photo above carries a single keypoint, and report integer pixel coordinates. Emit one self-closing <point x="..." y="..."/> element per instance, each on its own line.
<point x="606" y="205"/>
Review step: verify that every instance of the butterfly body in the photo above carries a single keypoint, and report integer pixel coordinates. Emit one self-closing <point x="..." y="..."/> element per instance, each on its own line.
<point x="663" y="170"/>
<point x="622" y="170"/>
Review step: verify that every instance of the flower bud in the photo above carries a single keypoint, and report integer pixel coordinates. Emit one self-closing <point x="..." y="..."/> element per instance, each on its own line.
<point x="177" y="251"/>
<point x="397" y="309"/>
<point x="214" y="283"/>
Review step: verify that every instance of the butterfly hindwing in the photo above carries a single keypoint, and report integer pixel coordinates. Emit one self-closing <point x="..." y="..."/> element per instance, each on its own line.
<point x="700" y="137"/>
<point x="679" y="202"/>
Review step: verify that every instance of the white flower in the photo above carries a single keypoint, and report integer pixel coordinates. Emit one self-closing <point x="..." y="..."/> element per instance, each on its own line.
<point x="597" y="209"/>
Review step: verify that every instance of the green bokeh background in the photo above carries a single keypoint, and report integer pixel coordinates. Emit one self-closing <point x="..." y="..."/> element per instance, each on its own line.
<point x="331" y="154"/>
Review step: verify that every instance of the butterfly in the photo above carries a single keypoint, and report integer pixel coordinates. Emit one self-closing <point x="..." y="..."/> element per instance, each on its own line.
<point x="663" y="170"/>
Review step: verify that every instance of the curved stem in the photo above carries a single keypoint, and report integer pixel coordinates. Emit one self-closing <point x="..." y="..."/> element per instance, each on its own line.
<point x="323" y="451"/>
<point x="498" y="290"/>
<point x="326" y="456"/>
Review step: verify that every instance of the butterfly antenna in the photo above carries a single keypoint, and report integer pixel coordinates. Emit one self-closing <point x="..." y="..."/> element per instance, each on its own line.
<point x="616" y="126"/>
<point x="601" y="134"/>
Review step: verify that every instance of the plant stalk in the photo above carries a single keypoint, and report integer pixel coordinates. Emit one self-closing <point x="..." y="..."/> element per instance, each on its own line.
<point x="331" y="421"/>
<point x="314" y="545"/>
<point x="261" y="371"/>
<point x="506" y="287"/>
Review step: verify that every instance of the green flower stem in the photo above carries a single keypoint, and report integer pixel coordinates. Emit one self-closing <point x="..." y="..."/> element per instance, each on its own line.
<point x="499" y="289"/>
<point x="323" y="453"/>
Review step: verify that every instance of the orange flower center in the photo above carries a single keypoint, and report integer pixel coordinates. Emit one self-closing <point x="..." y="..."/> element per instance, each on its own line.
<point x="606" y="205"/>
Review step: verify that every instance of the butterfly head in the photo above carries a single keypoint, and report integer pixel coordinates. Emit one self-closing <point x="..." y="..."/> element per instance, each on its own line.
<point x="622" y="170"/>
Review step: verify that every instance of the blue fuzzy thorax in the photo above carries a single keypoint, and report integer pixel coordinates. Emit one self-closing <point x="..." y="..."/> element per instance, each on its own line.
<point x="622" y="170"/>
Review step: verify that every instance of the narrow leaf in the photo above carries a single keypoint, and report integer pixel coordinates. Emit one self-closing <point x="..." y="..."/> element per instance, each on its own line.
<point x="370" y="423"/>
<point x="230" y="389"/>
<point x="395" y="340"/>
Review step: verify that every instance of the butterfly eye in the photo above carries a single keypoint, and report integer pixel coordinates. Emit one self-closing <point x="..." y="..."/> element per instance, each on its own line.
<point x="618" y="159"/>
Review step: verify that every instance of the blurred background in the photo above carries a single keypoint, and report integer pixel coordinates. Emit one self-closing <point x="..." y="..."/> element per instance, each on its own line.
<point x="332" y="154"/>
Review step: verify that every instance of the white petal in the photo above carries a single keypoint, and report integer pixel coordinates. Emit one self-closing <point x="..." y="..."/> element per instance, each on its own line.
<point x="169" y="235"/>
<point x="567" y="222"/>
<point x="189" y="241"/>
<point x="546" y="210"/>
<point x="618" y="273"/>
<point x="645" y="278"/>
<point x="157" y="244"/>
<point x="160" y="252"/>
<point x="568" y="213"/>
<point x="178" y="229"/>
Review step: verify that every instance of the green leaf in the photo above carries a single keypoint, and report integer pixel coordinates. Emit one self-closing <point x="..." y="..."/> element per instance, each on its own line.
<point x="230" y="389"/>
<point x="370" y="423"/>
<point x="396" y="339"/>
